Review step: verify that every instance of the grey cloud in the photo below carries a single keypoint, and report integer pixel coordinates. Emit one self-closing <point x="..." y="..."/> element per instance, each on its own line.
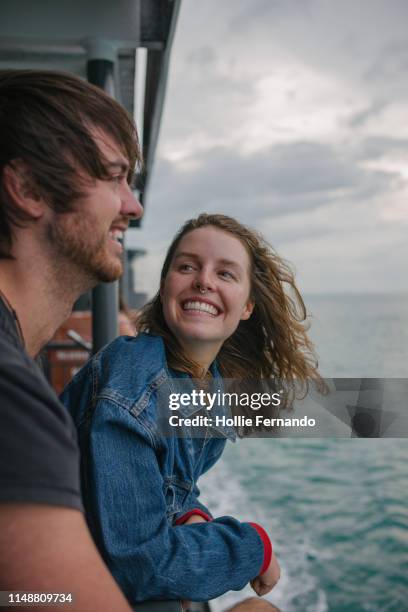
<point x="249" y="14"/>
<point x="208" y="96"/>
<point x="374" y="109"/>
<point x="281" y="180"/>
<point x="390" y="62"/>
<point x="204" y="56"/>
<point x="375" y="147"/>
<point x="341" y="37"/>
<point x="310" y="196"/>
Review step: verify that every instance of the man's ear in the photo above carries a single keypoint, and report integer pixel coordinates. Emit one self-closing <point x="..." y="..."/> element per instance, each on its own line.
<point x="19" y="184"/>
<point x="249" y="307"/>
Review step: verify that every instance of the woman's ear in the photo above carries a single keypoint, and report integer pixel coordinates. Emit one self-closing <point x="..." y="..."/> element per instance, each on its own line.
<point x="19" y="184"/>
<point x="249" y="307"/>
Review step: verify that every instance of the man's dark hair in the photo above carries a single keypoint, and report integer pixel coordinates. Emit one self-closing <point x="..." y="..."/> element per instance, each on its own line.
<point x="45" y="122"/>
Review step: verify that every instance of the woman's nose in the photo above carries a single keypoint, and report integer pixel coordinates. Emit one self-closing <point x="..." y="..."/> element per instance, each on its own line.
<point x="203" y="281"/>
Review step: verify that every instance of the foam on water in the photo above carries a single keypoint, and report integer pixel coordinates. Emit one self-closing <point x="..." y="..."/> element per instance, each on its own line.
<point x="336" y="509"/>
<point x="336" y="512"/>
<point x="235" y="500"/>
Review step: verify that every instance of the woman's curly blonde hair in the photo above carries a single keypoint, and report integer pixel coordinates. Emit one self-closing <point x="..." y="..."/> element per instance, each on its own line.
<point x="273" y="342"/>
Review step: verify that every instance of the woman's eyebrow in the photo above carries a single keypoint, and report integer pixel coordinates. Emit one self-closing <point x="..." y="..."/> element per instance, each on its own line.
<point x="185" y="254"/>
<point x="230" y="263"/>
<point x="223" y="262"/>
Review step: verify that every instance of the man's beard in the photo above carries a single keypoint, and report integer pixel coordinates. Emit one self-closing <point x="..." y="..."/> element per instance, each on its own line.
<point x="73" y="240"/>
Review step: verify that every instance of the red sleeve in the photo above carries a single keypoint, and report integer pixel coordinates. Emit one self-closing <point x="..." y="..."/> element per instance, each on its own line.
<point x="267" y="546"/>
<point x="196" y="511"/>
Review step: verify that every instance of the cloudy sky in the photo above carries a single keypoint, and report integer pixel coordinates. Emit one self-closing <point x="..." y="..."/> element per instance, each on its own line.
<point x="291" y="115"/>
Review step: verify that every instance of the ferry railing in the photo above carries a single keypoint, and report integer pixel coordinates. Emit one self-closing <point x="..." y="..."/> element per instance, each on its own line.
<point x="159" y="606"/>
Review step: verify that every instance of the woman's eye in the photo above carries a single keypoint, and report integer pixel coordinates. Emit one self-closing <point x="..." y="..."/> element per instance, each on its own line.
<point x="226" y="274"/>
<point x="186" y="267"/>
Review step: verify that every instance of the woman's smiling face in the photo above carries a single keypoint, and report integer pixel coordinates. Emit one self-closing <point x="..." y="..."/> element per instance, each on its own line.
<point x="206" y="291"/>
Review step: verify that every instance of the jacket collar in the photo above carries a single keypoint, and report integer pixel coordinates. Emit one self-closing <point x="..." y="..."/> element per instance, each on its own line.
<point x="181" y="382"/>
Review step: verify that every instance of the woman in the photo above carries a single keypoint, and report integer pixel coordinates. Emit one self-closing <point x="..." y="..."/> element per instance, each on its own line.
<point x="221" y="311"/>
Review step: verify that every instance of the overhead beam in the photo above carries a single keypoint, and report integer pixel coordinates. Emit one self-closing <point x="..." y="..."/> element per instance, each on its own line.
<point x="155" y="87"/>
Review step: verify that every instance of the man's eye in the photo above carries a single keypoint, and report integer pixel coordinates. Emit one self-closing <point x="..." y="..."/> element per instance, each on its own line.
<point x="117" y="179"/>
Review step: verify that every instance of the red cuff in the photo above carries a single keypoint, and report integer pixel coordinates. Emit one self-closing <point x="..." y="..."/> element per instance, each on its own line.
<point x="267" y="547"/>
<point x="184" y="518"/>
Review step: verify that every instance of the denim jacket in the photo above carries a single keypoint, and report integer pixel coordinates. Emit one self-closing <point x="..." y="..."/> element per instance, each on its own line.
<point x="139" y="483"/>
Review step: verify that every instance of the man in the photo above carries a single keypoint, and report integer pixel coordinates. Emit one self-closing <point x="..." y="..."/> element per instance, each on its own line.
<point x="67" y="154"/>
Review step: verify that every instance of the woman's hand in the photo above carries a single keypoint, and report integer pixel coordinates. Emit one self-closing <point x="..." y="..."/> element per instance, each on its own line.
<point x="195" y="518"/>
<point x="265" y="583"/>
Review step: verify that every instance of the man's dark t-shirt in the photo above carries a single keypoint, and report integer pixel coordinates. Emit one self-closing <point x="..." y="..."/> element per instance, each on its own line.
<point x="39" y="457"/>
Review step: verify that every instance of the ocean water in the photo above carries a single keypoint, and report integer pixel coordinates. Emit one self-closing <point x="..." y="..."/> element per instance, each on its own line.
<point x="360" y="335"/>
<point x="336" y="509"/>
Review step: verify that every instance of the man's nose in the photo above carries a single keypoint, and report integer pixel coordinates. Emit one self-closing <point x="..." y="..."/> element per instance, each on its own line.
<point x="131" y="207"/>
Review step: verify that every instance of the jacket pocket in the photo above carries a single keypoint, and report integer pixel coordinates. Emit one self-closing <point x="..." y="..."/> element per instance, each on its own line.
<point x="176" y="492"/>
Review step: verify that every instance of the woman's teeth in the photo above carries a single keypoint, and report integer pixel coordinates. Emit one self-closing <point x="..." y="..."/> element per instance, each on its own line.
<point x="201" y="306"/>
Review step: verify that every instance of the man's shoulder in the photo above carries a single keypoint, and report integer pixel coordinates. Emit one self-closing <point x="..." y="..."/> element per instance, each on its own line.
<point x="14" y="358"/>
<point x="8" y="331"/>
<point x="25" y="390"/>
<point x="38" y="449"/>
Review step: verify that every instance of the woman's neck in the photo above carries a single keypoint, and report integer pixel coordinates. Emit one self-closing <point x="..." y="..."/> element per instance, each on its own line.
<point x="201" y="354"/>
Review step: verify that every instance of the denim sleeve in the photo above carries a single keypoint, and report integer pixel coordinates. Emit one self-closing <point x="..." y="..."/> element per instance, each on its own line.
<point x="150" y="558"/>
<point x="213" y="453"/>
<point x="192" y="503"/>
